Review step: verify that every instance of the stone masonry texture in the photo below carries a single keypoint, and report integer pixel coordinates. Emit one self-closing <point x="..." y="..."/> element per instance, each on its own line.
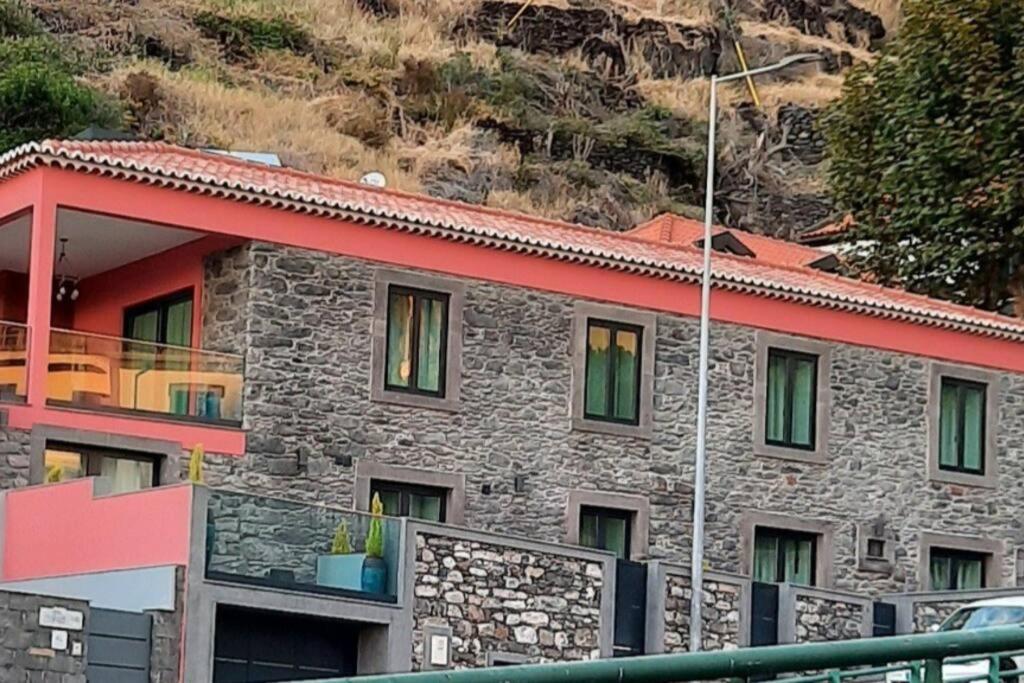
<point x="14" y="457"/>
<point x="720" y="614"/>
<point x="165" y="651"/>
<point x="506" y="600"/>
<point x="25" y="653"/>
<point x="819" y="619"/>
<point x="306" y="333"/>
<point x="928" y="614"/>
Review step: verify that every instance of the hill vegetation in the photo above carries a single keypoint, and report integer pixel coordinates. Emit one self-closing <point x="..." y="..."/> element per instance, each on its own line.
<point x="590" y="111"/>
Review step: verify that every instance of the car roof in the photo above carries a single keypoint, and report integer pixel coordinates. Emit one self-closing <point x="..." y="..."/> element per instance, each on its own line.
<point x="1009" y="601"/>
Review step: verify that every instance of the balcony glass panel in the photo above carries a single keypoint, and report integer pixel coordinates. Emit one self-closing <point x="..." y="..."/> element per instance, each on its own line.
<point x="287" y="545"/>
<point x="112" y="374"/>
<point x="13" y="352"/>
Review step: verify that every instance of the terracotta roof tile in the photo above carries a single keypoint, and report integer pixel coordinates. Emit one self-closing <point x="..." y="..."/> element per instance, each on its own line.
<point x="779" y="268"/>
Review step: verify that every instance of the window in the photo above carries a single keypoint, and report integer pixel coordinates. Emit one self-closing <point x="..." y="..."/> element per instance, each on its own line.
<point x="606" y="529"/>
<point x="783" y="556"/>
<point x="962" y="426"/>
<point x="417" y="330"/>
<point x="162" y="321"/>
<point x="876" y="549"/>
<point x="791" y="398"/>
<point x="956" y="569"/>
<point x="127" y="471"/>
<point x="408" y="500"/>
<point x="612" y="391"/>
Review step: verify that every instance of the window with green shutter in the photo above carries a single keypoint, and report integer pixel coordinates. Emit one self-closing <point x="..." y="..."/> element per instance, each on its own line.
<point x="783" y="556"/>
<point x="606" y="529"/>
<point x="417" y="341"/>
<point x="962" y="426"/>
<point x="791" y="396"/>
<point x="612" y="391"/>
<point x="951" y="569"/>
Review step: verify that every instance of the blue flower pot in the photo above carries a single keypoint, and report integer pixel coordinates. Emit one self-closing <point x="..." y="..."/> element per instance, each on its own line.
<point x="375" y="575"/>
<point x="340" y="571"/>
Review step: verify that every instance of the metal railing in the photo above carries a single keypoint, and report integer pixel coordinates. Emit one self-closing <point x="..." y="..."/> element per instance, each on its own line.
<point x="13" y="354"/>
<point x="113" y="374"/>
<point x="955" y="656"/>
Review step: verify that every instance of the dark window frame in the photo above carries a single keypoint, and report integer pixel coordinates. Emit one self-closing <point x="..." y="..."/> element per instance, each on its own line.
<point x="787" y="401"/>
<point x="961" y="419"/>
<point x="614" y="328"/>
<point x="603" y="513"/>
<point x="780" y="560"/>
<point x="879" y="544"/>
<point x="417" y="297"/>
<point x="93" y="454"/>
<point x="162" y="305"/>
<point x="405" y="490"/>
<point x="956" y="556"/>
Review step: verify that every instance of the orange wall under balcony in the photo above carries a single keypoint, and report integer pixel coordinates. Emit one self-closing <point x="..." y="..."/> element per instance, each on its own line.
<point x="62" y="529"/>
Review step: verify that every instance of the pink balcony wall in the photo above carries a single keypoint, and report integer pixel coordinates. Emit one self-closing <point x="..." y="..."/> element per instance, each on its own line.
<point x="63" y="529"/>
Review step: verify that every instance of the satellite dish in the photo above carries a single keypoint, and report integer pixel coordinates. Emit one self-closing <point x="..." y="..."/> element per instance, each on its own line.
<point x="374" y="179"/>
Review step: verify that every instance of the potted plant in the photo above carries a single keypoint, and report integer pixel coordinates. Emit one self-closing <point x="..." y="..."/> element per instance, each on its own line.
<point x="375" y="569"/>
<point x="343" y="568"/>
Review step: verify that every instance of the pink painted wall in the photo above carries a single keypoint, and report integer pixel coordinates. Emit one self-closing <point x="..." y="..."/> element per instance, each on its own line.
<point x="61" y="529"/>
<point x="105" y="296"/>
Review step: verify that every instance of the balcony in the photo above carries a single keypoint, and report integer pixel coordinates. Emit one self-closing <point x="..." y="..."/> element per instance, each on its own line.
<point x="13" y="352"/>
<point x="111" y="374"/>
<point x="274" y="543"/>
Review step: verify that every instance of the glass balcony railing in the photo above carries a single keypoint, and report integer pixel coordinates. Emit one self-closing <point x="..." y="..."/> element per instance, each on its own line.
<point x="96" y="372"/>
<point x="281" y="544"/>
<point x="13" y="352"/>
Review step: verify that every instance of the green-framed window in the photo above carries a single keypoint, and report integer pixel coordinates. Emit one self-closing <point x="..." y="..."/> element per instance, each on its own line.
<point x="612" y="390"/>
<point x="952" y="569"/>
<point x="606" y="529"/>
<point x="784" y="556"/>
<point x="791" y="399"/>
<point x="410" y="500"/>
<point x="962" y="426"/>
<point x="417" y="341"/>
<point x="167" y="320"/>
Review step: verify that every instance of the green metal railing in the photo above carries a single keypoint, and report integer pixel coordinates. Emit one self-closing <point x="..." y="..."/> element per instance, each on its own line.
<point x="914" y="659"/>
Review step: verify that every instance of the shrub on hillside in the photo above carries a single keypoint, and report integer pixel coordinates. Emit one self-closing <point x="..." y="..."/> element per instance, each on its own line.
<point x="40" y="97"/>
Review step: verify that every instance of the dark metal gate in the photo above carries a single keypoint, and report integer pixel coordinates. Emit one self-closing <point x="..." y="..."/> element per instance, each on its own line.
<point x="118" y="647"/>
<point x="885" y="619"/>
<point x="764" y="614"/>
<point x="630" y="608"/>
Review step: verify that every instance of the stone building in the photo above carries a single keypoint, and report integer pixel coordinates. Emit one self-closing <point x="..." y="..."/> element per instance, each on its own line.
<point x="490" y="373"/>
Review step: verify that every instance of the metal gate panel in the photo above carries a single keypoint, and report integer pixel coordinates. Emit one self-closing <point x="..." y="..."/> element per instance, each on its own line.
<point x="118" y="647"/>
<point x="764" y="614"/>
<point x="630" y="608"/>
<point x="884" y="619"/>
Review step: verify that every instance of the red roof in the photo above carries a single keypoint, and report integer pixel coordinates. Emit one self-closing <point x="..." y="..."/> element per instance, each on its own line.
<point x="777" y="270"/>
<point x="672" y="229"/>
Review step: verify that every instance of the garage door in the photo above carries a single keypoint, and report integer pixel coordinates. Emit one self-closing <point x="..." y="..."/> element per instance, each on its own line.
<point x="253" y="646"/>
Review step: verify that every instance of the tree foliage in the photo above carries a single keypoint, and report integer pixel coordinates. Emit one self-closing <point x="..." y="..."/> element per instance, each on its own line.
<point x="40" y="95"/>
<point x="927" y="148"/>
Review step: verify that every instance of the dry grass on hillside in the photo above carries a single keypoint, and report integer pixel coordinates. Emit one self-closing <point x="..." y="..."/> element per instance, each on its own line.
<point x="889" y="11"/>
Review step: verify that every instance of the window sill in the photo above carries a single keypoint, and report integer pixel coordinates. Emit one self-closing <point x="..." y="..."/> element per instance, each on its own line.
<point x="815" y="457"/>
<point x="448" y="404"/>
<point x="940" y="476"/>
<point x="638" y="431"/>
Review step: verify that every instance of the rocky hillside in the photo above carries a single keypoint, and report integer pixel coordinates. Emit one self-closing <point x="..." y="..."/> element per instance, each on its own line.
<point x="586" y="110"/>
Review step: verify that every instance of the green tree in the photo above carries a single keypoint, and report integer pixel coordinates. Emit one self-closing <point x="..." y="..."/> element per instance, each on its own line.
<point x="40" y="95"/>
<point x="927" y="153"/>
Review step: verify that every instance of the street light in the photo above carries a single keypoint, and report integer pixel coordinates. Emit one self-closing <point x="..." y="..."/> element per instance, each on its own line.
<point x="697" y="558"/>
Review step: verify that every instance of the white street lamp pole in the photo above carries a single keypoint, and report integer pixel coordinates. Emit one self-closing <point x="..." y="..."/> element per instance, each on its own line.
<point x="697" y="558"/>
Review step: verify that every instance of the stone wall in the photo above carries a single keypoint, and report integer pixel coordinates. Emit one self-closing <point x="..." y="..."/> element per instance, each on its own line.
<point x="721" y="614"/>
<point x="25" y="652"/>
<point x="310" y="415"/>
<point x="819" y="618"/>
<point x="500" y="598"/>
<point x="14" y="457"/>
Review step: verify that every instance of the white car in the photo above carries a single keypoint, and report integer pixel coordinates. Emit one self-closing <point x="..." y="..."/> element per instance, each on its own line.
<point x="981" y="614"/>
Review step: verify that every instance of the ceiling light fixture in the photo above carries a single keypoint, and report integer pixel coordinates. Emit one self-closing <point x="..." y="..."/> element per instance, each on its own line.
<point x="67" y="284"/>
